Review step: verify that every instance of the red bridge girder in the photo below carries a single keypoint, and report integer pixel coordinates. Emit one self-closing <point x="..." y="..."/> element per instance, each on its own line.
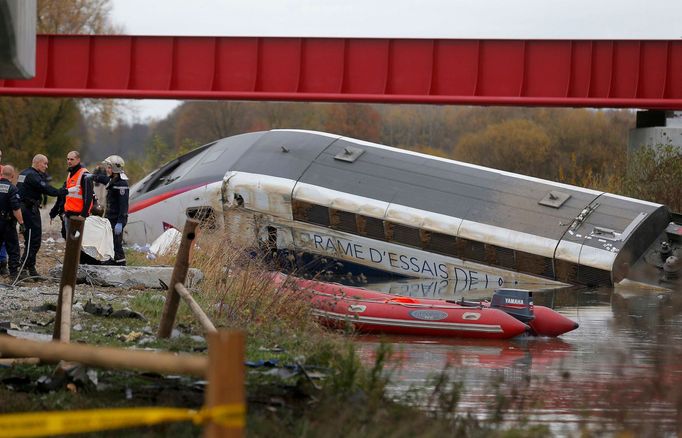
<point x="638" y="74"/>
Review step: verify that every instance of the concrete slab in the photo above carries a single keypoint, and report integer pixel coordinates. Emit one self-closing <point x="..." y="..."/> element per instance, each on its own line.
<point x="146" y="277"/>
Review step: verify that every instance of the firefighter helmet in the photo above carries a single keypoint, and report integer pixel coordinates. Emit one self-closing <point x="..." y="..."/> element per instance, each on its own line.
<point x="115" y="162"/>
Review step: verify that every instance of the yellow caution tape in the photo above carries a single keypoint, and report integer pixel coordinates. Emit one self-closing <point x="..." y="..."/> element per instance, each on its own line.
<point x="67" y="422"/>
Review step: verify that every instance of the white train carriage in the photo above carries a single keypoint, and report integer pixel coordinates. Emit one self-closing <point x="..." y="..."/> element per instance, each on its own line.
<point x="405" y="213"/>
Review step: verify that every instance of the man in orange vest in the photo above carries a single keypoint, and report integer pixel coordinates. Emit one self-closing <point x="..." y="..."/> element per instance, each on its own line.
<point x="78" y="200"/>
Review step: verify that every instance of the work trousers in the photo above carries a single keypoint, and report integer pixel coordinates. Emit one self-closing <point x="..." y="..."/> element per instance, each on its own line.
<point x="8" y="237"/>
<point x="34" y="226"/>
<point x="119" y="255"/>
<point x="65" y="222"/>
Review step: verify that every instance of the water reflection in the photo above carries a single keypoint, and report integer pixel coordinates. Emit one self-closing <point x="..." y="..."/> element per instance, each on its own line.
<point x="621" y="370"/>
<point x="446" y="289"/>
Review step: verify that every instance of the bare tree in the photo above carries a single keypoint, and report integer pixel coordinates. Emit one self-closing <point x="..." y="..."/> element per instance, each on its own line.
<point x="75" y="17"/>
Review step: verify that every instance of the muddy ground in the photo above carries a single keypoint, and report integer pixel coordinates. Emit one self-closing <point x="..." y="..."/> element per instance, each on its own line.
<point x="29" y="303"/>
<point x="101" y="315"/>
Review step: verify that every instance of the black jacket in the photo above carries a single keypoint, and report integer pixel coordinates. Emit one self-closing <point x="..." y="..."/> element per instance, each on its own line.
<point x="9" y="199"/>
<point x="118" y="193"/>
<point x="32" y="184"/>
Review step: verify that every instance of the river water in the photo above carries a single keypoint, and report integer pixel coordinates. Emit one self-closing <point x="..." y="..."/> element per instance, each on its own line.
<point x="621" y="370"/>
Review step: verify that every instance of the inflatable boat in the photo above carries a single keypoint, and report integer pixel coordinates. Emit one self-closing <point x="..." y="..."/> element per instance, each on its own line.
<point x="509" y="314"/>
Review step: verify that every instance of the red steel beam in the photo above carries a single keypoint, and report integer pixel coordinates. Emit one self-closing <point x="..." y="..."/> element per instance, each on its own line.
<point x="578" y="73"/>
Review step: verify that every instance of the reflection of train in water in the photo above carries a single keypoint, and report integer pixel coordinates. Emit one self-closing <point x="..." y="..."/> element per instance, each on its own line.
<point x="405" y="213"/>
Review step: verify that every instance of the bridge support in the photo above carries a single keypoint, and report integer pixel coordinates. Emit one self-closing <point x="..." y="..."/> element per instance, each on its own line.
<point x="656" y="127"/>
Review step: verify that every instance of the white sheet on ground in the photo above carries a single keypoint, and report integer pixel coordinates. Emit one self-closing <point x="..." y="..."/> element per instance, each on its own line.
<point x="98" y="239"/>
<point x="166" y="243"/>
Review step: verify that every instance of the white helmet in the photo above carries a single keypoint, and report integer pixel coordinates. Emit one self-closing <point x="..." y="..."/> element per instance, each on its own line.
<point x="115" y="162"/>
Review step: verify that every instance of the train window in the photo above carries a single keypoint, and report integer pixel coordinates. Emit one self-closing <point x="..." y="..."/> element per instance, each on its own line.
<point x="173" y="170"/>
<point x="311" y="213"/>
<point x="472" y="250"/>
<point x="343" y="221"/>
<point x="371" y="227"/>
<point x="534" y="264"/>
<point x="443" y="244"/>
<point x="566" y="271"/>
<point x="179" y="171"/>
<point x="160" y="176"/>
<point x="501" y="256"/>
<point x="404" y="234"/>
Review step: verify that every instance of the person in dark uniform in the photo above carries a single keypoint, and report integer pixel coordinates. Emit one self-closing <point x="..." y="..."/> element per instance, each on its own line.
<point x="48" y="178"/>
<point x="117" y="201"/>
<point x="10" y="214"/>
<point x="32" y="184"/>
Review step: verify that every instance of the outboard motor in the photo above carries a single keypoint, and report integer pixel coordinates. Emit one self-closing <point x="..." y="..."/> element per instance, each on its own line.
<point x="516" y="302"/>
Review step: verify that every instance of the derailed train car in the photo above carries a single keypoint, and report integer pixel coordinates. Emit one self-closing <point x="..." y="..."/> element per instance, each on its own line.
<point x="407" y="213"/>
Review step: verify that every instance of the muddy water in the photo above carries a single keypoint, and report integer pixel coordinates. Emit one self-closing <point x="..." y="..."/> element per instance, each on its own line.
<point x="621" y="370"/>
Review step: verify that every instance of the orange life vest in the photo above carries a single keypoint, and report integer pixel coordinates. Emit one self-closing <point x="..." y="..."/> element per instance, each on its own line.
<point x="74" y="199"/>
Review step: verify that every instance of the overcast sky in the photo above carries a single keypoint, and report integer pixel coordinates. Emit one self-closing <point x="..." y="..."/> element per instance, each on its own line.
<point x="509" y="19"/>
<point x="497" y="19"/>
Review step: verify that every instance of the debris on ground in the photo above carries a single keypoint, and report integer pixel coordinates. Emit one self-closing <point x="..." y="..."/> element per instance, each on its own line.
<point x="142" y="277"/>
<point x="130" y="337"/>
<point x="127" y="313"/>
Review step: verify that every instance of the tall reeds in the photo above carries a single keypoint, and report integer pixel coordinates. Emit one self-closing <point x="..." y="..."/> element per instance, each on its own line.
<point x="239" y="292"/>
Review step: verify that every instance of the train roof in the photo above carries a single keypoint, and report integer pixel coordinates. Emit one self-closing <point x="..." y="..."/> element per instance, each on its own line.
<point x="428" y="183"/>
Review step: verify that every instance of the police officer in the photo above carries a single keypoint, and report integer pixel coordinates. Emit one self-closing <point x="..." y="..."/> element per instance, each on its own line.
<point x="117" y="201"/>
<point x="32" y="184"/>
<point x="10" y="214"/>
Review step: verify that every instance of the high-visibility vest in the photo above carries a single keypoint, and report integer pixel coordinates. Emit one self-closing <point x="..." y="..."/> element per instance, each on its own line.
<point x="74" y="199"/>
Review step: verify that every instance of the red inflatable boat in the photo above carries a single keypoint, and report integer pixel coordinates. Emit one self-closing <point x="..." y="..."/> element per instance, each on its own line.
<point x="509" y="314"/>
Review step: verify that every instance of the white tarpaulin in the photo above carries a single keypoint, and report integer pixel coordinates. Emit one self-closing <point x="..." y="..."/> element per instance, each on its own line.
<point x="166" y="243"/>
<point x="98" y="239"/>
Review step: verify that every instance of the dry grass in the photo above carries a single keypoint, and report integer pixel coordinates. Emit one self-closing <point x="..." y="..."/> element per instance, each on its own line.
<point x="239" y="291"/>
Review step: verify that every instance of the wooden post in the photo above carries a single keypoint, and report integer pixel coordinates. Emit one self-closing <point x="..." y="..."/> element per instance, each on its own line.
<point x="72" y="256"/>
<point x="19" y="361"/>
<point x="196" y="309"/>
<point x="65" y="329"/>
<point x="106" y="357"/>
<point x="170" y="308"/>
<point x="225" y="377"/>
